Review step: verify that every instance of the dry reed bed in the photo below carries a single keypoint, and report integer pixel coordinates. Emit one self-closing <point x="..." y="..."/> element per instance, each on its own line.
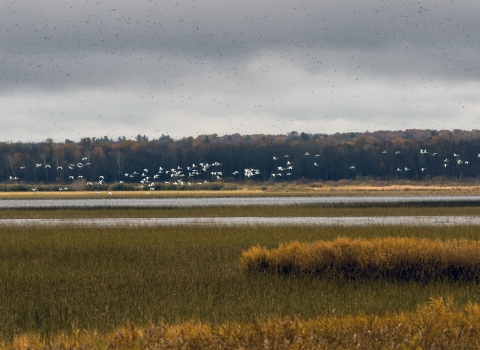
<point x="253" y="190"/>
<point x="438" y="325"/>
<point x="392" y="257"/>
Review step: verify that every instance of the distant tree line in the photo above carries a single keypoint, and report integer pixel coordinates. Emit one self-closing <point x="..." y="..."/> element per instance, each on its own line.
<point x="382" y="155"/>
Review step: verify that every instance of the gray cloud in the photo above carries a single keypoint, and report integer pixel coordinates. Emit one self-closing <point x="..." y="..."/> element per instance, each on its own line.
<point x="77" y="68"/>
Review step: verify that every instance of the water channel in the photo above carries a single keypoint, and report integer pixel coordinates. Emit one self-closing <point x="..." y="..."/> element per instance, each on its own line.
<point x="239" y="201"/>
<point x="253" y="221"/>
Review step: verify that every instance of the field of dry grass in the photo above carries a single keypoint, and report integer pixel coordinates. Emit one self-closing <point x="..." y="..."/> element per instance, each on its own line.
<point x="341" y="188"/>
<point x="436" y="325"/>
<point x="58" y="280"/>
<point x="398" y="258"/>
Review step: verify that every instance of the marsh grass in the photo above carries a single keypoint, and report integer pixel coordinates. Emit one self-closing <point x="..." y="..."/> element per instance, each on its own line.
<point x="55" y="280"/>
<point x="398" y="258"/>
<point x="436" y="325"/>
<point x="237" y="211"/>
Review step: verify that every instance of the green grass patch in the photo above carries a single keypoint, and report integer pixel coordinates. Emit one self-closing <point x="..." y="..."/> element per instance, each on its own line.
<point x="53" y="280"/>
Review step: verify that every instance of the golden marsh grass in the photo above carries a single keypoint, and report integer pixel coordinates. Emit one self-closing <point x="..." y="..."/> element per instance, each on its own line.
<point x="437" y="325"/>
<point x="397" y="258"/>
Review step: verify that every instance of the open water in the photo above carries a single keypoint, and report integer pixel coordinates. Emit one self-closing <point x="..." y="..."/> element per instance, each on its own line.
<point x="238" y="201"/>
<point x="254" y="221"/>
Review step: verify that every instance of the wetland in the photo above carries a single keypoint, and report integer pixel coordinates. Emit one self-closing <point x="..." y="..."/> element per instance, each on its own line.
<point x="178" y="260"/>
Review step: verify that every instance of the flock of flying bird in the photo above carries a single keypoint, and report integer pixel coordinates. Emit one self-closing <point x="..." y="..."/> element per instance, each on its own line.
<point x="178" y="177"/>
<point x="446" y="161"/>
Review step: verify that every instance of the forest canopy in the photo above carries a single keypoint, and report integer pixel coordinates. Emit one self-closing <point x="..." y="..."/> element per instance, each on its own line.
<point x="382" y="155"/>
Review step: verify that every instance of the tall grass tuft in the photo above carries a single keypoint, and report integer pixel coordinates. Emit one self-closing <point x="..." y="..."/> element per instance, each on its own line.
<point x="398" y="258"/>
<point x="437" y="325"/>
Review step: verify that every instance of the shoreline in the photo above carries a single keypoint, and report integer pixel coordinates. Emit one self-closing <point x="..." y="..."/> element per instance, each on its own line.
<point x="286" y="190"/>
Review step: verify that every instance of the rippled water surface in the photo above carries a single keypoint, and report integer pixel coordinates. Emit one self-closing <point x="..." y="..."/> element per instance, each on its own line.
<point x="235" y="201"/>
<point x="254" y="221"/>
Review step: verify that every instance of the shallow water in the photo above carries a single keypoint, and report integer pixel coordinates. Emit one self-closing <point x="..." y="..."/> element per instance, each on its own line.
<point x="254" y="221"/>
<point x="236" y="201"/>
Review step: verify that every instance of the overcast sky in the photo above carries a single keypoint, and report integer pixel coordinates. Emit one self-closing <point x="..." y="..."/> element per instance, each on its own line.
<point x="77" y="68"/>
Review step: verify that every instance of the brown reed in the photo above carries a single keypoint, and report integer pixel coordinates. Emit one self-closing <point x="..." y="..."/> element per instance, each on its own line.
<point x="392" y="257"/>
<point x="437" y="325"/>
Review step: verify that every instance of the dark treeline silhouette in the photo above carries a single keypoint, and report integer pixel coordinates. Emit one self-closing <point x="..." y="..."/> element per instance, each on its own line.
<point x="381" y="155"/>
